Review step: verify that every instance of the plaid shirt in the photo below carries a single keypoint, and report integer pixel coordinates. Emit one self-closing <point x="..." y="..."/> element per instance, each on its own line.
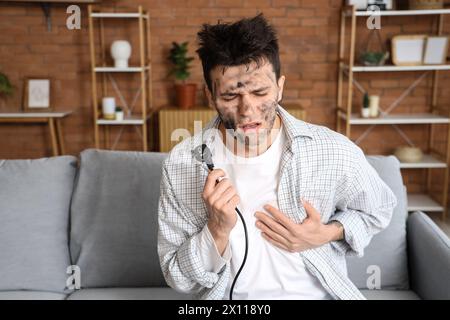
<point x="320" y="165"/>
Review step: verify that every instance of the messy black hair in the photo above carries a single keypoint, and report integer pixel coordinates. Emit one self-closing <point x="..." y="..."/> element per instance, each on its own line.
<point x="242" y="42"/>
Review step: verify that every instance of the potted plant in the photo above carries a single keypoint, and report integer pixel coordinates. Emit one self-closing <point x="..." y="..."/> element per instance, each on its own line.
<point x="374" y="53"/>
<point x="185" y="92"/>
<point x="119" y="113"/>
<point x="6" y="88"/>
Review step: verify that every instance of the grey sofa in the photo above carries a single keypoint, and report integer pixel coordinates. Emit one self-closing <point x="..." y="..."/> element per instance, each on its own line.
<point x="98" y="212"/>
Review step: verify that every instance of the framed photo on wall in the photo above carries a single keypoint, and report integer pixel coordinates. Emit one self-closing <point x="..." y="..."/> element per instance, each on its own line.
<point x="37" y="94"/>
<point x="436" y="50"/>
<point x="407" y="50"/>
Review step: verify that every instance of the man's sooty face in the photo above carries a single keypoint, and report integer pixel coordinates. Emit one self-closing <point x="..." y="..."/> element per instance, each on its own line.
<point x="246" y="97"/>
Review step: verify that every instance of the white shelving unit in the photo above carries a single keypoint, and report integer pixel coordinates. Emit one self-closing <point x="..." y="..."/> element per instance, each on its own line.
<point x="432" y="159"/>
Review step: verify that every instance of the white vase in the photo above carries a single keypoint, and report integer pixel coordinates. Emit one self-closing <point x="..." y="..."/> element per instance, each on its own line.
<point x="121" y="52"/>
<point x="109" y="108"/>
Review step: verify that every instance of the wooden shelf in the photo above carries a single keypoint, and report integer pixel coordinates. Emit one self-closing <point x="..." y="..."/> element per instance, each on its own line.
<point x="428" y="161"/>
<point x="419" y="118"/>
<point x="134" y="120"/>
<point x="118" y="15"/>
<point x="55" y="114"/>
<point x="423" y="202"/>
<point x="401" y="12"/>
<point x="359" y="68"/>
<point x="56" y="1"/>
<point x="113" y="69"/>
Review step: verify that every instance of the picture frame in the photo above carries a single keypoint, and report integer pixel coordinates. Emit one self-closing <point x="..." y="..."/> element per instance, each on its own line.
<point x="37" y="94"/>
<point x="436" y="50"/>
<point x="407" y="50"/>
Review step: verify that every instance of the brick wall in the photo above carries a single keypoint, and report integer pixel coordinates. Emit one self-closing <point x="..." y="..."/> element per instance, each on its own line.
<point x="308" y="33"/>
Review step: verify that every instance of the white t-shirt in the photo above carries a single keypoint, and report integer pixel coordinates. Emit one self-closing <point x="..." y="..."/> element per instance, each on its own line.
<point x="269" y="272"/>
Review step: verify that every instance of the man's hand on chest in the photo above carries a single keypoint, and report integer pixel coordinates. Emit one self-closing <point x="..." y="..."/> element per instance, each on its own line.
<point x="286" y="234"/>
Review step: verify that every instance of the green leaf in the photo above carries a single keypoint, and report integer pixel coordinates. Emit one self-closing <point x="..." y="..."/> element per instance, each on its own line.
<point x="5" y="86"/>
<point x="181" y="62"/>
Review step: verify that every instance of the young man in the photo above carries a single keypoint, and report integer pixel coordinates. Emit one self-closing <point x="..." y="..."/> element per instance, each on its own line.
<point x="307" y="194"/>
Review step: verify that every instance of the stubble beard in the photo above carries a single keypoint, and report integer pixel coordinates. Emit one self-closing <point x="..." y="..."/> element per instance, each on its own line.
<point x="252" y="141"/>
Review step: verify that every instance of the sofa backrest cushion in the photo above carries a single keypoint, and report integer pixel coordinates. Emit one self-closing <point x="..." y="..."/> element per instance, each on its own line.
<point x="34" y="217"/>
<point x="114" y="219"/>
<point x="386" y="255"/>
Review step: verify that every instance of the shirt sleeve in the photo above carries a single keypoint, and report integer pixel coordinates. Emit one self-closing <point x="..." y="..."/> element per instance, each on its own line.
<point x="210" y="256"/>
<point x="366" y="207"/>
<point x="178" y="239"/>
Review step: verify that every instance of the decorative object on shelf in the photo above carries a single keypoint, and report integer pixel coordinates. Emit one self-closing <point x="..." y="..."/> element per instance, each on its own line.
<point x="119" y="113"/>
<point x="371" y="56"/>
<point x="36" y="94"/>
<point x="372" y="4"/>
<point x="374" y="106"/>
<point x="408" y="154"/>
<point x="359" y="4"/>
<point x="408" y="50"/>
<point x="365" y="111"/>
<point x="436" y="50"/>
<point x="380" y="4"/>
<point x="185" y="92"/>
<point x="6" y="88"/>
<point x="425" y="4"/>
<point x="109" y="108"/>
<point x="121" y="52"/>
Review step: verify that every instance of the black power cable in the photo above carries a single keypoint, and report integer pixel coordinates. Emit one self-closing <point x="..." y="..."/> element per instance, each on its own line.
<point x="204" y="155"/>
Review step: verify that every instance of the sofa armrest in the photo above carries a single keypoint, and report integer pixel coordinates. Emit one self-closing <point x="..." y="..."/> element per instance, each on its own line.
<point x="429" y="257"/>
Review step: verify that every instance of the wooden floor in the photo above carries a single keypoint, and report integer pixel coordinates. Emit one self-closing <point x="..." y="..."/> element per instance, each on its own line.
<point x="444" y="225"/>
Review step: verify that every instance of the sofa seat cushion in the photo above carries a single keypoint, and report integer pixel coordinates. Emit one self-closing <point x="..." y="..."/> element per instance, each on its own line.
<point x="31" y="295"/>
<point x="390" y="295"/>
<point x="34" y="222"/>
<point x="385" y="258"/>
<point x="114" y="219"/>
<point x="128" y="294"/>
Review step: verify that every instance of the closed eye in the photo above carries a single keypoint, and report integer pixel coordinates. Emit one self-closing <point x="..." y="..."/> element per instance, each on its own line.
<point x="229" y="97"/>
<point x="259" y="93"/>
